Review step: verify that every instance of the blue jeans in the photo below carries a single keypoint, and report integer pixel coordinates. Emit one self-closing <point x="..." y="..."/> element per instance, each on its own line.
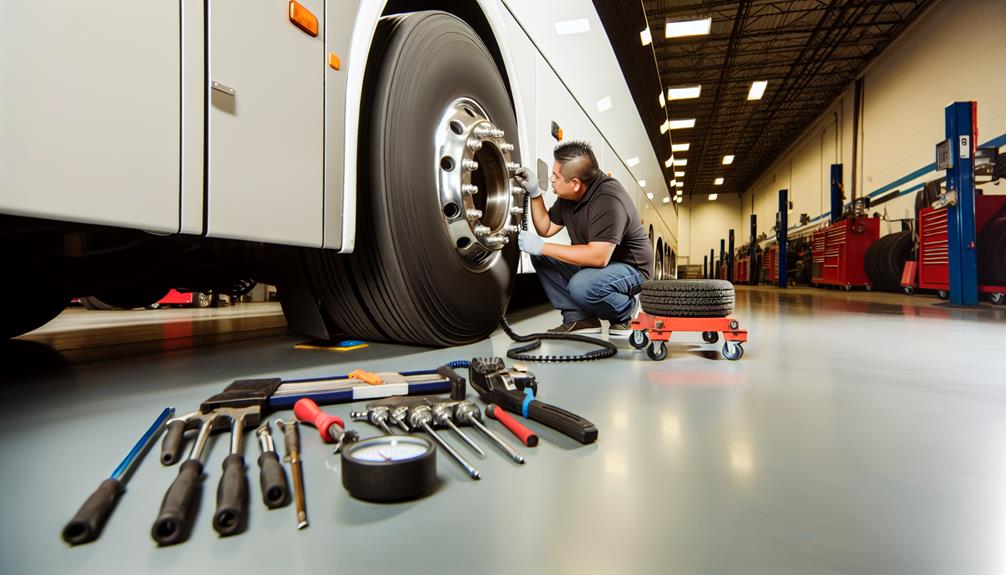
<point x="584" y="293"/>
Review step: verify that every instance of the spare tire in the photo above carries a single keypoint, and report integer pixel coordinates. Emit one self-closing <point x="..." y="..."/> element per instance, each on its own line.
<point x="688" y="298"/>
<point x="992" y="254"/>
<point x="885" y="260"/>
<point x="411" y="277"/>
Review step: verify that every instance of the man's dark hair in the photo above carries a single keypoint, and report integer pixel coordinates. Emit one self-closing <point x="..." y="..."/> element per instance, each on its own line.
<point x="576" y="160"/>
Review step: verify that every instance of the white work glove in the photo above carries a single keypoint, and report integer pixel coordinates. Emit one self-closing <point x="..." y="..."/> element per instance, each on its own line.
<point x="530" y="242"/>
<point x="527" y="180"/>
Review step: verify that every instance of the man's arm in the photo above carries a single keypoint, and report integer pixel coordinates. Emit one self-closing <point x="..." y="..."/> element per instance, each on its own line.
<point x="544" y="225"/>
<point x="592" y="255"/>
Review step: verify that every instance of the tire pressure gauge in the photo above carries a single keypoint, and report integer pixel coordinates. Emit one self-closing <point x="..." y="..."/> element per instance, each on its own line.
<point x="389" y="468"/>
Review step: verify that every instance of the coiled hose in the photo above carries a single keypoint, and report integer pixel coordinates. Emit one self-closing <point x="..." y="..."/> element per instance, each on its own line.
<point x="607" y="350"/>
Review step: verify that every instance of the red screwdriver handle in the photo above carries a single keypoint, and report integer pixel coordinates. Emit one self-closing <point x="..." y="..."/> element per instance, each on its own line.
<point x="308" y="412"/>
<point x="526" y="436"/>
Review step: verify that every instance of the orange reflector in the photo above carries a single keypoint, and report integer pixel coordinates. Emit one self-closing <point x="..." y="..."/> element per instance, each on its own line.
<point x="559" y="134"/>
<point x="303" y="18"/>
<point x="333" y="61"/>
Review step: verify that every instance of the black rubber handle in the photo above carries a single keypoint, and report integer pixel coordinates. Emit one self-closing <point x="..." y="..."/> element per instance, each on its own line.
<point x="174" y="522"/>
<point x="232" y="497"/>
<point x="458" y="383"/>
<point x="171" y="447"/>
<point x="561" y="420"/>
<point x="275" y="491"/>
<point x="86" y="525"/>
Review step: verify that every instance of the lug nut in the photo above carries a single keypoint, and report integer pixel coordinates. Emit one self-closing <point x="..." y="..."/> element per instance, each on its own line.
<point x="474" y="144"/>
<point x="497" y="241"/>
<point x="497" y="133"/>
<point x="505" y="147"/>
<point x="473" y="214"/>
<point x="517" y="211"/>
<point x="511" y="228"/>
<point x="470" y="165"/>
<point x="516" y="191"/>
<point x="512" y="167"/>
<point x="481" y="231"/>
<point x="470" y="189"/>
<point x="483" y="132"/>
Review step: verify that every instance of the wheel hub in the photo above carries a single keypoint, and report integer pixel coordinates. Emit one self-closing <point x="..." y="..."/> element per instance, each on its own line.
<point x="480" y="207"/>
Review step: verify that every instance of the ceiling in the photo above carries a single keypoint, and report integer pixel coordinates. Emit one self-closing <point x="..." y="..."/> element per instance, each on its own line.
<point x="807" y="50"/>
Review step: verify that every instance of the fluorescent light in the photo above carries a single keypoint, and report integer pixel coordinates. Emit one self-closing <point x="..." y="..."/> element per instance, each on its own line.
<point x="684" y="92"/>
<point x="632" y="162"/>
<point x="678" y="199"/>
<point x="649" y="195"/>
<point x="681" y="162"/>
<point x="687" y="28"/>
<point x="642" y="183"/>
<point x="679" y="184"/>
<point x="680" y="147"/>
<point x="718" y="182"/>
<point x="757" y="90"/>
<point x="679" y="174"/>
<point x="712" y="197"/>
<point x="679" y="124"/>
<point x="604" y="104"/>
<point x="645" y="37"/>
<point x="669" y="162"/>
<point x="665" y="126"/>
<point x="662" y="102"/>
<point x="727" y="160"/>
<point x="679" y="192"/>
<point x="672" y="183"/>
<point x="568" y="27"/>
<point x="667" y="200"/>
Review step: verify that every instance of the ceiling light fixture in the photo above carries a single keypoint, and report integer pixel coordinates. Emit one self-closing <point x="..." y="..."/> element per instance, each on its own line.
<point x="649" y="195"/>
<point x="667" y="200"/>
<point x="728" y="159"/>
<point x="569" y="27"/>
<point x="645" y="37"/>
<point x="604" y="104"/>
<point x="681" y="162"/>
<point x="662" y="102"/>
<point x="680" y="147"/>
<point x="665" y="126"/>
<point x="678" y="199"/>
<point x="632" y="162"/>
<point x="679" y="174"/>
<point x="684" y="93"/>
<point x="669" y="162"/>
<point x="681" y="124"/>
<point x="680" y="185"/>
<point x="684" y="28"/>
<point x="757" y="90"/>
<point x="712" y="197"/>
<point x="718" y="182"/>
<point x="642" y="183"/>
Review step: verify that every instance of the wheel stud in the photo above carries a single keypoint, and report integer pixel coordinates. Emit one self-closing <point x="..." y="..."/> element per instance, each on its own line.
<point x="483" y="132"/>
<point x="473" y="214"/>
<point x="517" y="211"/>
<point x="497" y="241"/>
<point x="474" y="144"/>
<point x="470" y="189"/>
<point x="469" y="165"/>
<point x="497" y="133"/>
<point x="511" y="228"/>
<point x="512" y="167"/>
<point x="481" y="231"/>
<point x="506" y="147"/>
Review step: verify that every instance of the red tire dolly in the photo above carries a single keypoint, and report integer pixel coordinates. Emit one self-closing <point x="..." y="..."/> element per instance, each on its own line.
<point x="655" y="331"/>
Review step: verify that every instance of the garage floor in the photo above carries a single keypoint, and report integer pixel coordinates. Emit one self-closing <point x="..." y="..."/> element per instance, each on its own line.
<point x="860" y="433"/>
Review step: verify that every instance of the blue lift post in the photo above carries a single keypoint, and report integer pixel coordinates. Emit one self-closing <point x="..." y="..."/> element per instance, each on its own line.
<point x="959" y="154"/>
<point x="783" y="220"/>
<point x="837" y="191"/>
<point x="730" y="258"/>
<point x="753" y="258"/>
<point x="712" y="264"/>
<point x="723" y="258"/>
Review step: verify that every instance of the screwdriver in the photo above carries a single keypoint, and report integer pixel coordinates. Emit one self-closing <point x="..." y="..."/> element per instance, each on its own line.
<point x="291" y="440"/>
<point x="525" y="435"/>
<point x="87" y="524"/>
<point x="330" y="427"/>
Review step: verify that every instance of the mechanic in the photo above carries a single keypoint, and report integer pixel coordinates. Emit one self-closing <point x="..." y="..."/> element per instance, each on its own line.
<point x="599" y="275"/>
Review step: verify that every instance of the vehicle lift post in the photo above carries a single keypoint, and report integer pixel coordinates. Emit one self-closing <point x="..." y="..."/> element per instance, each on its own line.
<point x="713" y="271"/>
<point x="723" y="259"/>
<point x="730" y="258"/>
<point x="962" y="129"/>
<point x="753" y="266"/>
<point x="837" y="191"/>
<point x="783" y="220"/>
<point x="705" y="267"/>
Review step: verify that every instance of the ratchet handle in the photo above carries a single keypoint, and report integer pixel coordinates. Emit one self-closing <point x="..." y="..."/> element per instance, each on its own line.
<point x="275" y="491"/>
<point x="232" y="497"/>
<point x="174" y="521"/>
<point x="86" y="525"/>
<point x="171" y="447"/>
<point x="526" y="436"/>
<point x="308" y="412"/>
<point x="561" y="420"/>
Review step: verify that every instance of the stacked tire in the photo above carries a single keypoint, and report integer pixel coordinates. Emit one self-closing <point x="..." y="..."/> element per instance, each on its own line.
<point x="688" y="298"/>
<point x="992" y="254"/>
<point x="885" y="260"/>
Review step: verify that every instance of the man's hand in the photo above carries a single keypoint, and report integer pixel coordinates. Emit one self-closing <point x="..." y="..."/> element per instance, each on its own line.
<point x="530" y="242"/>
<point x="528" y="181"/>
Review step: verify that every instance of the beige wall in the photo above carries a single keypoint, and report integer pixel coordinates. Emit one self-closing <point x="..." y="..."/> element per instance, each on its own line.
<point x="702" y="223"/>
<point x="952" y="53"/>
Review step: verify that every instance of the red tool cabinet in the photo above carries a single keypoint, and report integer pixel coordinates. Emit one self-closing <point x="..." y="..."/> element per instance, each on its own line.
<point x="838" y="260"/>
<point x="934" y="257"/>
<point x="741" y="270"/>
<point x="770" y="265"/>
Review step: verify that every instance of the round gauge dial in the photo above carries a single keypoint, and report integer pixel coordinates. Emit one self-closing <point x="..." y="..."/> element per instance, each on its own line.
<point x="389" y="468"/>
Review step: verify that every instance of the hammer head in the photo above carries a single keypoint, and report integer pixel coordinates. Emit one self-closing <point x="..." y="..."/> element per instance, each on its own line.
<point x="244" y="398"/>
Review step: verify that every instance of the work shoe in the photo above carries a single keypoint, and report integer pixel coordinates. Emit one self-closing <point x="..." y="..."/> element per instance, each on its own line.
<point x="622" y="329"/>
<point x="581" y="326"/>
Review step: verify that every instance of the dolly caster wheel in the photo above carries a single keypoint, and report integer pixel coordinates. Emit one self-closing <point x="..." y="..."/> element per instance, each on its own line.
<point x="909" y="290"/>
<point x="848" y="287"/>
<point x="942" y="294"/>
<point x="657" y="351"/>
<point x="638" y="339"/>
<point x="710" y="336"/>
<point x="733" y="351"/>
<point x="998" y="298"/>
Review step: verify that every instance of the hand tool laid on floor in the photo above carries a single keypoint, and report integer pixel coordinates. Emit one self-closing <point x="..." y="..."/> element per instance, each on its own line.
<point x="174" y="521"/>
<point x="330" y="427"/>
<point x="377" y="415"/>
<point x="87" y="524"/>
<point x="514" y="390"/>
<point x="232" y="492"/>
<point x="525" y="435"/>
<point x="420" y="417"/>
<point x="443" y="412"/>
<point x="275" y="492"/>
<point x="291" y="437"/>
<point x="467" y="413"/>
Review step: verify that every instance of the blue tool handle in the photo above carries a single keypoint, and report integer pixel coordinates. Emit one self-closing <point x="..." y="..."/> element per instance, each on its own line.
<point x="144" y="442"/>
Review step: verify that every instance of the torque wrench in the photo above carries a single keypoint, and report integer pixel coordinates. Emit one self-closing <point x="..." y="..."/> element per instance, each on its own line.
<point x="420" y="417"/>
<point x="87" y="524"/>
<point x="442" y="412"/>
<point x="467" y="412"/>
<point x="291" y="437"/>
<point x="275" y="492"/>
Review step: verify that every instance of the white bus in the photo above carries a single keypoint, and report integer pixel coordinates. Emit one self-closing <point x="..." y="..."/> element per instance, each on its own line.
<point x="356" y="154"/>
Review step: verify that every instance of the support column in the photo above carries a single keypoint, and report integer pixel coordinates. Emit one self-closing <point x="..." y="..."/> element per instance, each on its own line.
<point x="962" y="129"/>
<point x="782" y="219"/>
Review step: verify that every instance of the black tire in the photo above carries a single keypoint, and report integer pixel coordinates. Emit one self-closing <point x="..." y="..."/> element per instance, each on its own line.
<point x="688" y="298"/>
<point x="31" y="307"/>
<point x="992" y="254"/>
<point x="203" y="300"/>
<point x="93" y="303"/>
<point x="657" y="351"/>
<point x="403" y="282"/>
<point x="710" y="336"/>
<point x="885" y="260"/>
<point x="130" y="298"/>
<point x="638" y="339"/>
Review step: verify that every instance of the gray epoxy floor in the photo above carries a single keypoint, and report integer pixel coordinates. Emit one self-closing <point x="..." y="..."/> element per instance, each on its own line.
<point x="860" y="433"/>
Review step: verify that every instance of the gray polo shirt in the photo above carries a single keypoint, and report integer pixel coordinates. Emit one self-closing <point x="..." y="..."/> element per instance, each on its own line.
<point x="606" y="214"/>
